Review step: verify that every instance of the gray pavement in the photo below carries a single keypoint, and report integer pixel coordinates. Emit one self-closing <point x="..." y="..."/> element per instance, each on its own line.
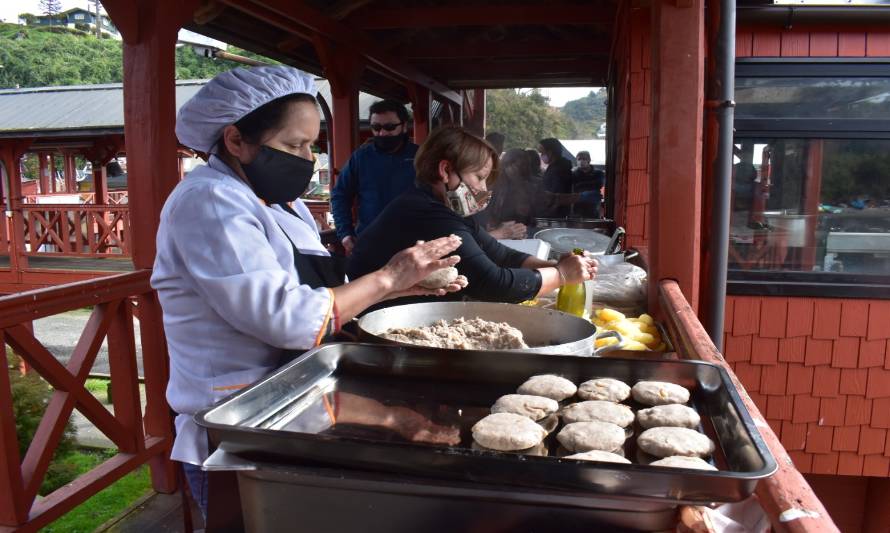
<point x="59" y="334"/>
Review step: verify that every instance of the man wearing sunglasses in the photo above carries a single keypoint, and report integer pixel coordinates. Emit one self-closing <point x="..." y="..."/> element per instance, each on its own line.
<point x="378" y="172"/>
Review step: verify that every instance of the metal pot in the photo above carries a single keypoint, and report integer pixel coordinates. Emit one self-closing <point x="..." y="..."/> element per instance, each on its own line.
<point x="546" y="330"/>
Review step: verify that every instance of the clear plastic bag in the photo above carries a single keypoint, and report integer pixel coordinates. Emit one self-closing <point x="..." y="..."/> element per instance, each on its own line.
<point x="622" y="285"/>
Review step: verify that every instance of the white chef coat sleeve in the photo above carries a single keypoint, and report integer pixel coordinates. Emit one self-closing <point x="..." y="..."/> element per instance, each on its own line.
<point x="227" y="254"/>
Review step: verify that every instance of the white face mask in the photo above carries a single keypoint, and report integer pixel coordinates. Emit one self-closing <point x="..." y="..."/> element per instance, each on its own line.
<point x="466" y="202"/>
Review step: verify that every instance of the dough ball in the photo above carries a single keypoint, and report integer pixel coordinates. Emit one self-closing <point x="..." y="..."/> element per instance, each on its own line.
<point x="539" y="450"/>
<point x="659" y="393"/>
<point x="534" y="407"/>
<point x="608" y="389"/>
<point x="508" y="432"/>
<point x="587" y="436"/>
<point x="548" y="386"/>
<point x="598" y="455"/>
<point x="439" y="279"/>
<point x="601" y="410"/>
<point x="667" y="442"/>
<point x="679" y="461"/>
<point x="671" y="415"/>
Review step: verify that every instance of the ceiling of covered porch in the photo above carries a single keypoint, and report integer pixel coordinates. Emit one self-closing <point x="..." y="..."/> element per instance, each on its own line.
<point x="462" y="44"/>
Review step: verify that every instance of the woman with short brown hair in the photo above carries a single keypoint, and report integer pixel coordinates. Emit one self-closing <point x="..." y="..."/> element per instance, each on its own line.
<point x="454" y="171"/>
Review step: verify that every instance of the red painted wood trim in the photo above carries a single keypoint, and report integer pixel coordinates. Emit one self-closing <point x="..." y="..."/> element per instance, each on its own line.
<point x="13" y="509"/>
<point x="125" y="378"/>
<point x="78" y="491"/>
<point x="786" y="489"/>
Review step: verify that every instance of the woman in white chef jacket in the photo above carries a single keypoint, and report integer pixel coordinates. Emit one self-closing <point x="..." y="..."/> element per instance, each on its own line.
<point x="241" y="273"/>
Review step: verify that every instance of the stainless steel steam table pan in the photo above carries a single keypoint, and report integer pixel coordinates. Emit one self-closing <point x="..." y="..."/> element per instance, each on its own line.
<point x="287" y="417"/>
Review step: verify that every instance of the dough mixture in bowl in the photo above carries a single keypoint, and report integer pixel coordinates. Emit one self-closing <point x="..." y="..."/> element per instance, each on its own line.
<point x="461" y="334"/>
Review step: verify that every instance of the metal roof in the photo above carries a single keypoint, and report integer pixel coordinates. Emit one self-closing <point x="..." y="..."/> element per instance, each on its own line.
<point x="88" y="110"/>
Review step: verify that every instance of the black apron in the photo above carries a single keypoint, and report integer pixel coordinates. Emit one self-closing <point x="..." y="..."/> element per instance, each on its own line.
<point x="316" y="271"/>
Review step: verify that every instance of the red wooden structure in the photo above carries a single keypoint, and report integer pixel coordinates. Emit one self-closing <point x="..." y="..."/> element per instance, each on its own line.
<point x="656" y="77"/>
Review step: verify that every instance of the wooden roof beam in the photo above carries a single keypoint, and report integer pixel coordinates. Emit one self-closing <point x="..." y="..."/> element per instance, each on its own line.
<point x="482" y="15"/>
<point x="297" y="17"/>
<point x="531" y="48"/>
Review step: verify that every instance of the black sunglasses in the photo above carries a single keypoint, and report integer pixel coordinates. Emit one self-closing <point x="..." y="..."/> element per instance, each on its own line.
<point x="385" y="127"/>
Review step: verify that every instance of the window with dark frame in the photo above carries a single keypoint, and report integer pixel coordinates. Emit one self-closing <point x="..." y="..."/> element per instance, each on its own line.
<point x="811" y="179"/>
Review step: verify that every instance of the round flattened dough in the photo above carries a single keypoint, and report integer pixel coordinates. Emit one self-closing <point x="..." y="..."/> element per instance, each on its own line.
<point x="539" y="450"/>
<point x="548" y="386"/>
<point x="508" y="432"/>
<point x="534" y="407"/>
<point x="666" y="442"/>
<point x="607" y="389"/>
<point x="601" y="410"/>
<point x="671" y="415"/>
<point x="586" y="436"/>
<point x="439" y="278"/>
<point x="659" y="393"/>
<point x="598" y="455"/>
<point x="679" y="461"/>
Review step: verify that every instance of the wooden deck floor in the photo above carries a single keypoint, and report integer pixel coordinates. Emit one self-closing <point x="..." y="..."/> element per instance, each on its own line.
<point x="156" y="513"/>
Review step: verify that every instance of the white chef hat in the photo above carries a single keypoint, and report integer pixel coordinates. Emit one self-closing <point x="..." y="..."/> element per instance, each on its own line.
<point x="230" y="96"/>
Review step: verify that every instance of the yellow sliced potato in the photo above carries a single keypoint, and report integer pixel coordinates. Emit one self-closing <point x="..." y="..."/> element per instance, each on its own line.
<point x="647" y="319"/>
<point x="643" y="338"/>
<point x="607" y="341"/>
<point x="610" y="315"/>
<point x="634" y="346"/>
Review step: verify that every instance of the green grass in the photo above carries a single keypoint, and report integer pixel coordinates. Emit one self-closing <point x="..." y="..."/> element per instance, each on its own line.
<point x="98" y="388"/>
<point x="105" y="505"/>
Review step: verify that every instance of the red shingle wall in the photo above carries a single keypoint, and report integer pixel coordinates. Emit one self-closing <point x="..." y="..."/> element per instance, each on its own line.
<point x="819" y="369"/>
<point x="632" y="131"/>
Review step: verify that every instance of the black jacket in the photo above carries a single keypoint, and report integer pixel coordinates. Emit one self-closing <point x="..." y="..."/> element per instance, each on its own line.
<point x="494" y="271"/>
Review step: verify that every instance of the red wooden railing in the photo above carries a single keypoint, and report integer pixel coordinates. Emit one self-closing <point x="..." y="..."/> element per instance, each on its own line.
<point x="139" y="439"/>
<point x="786" y="497"/>
<point x="76" y="230"/>
<point x="114" y="197"/>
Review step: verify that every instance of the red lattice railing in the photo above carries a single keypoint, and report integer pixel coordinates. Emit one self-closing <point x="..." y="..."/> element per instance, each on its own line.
<point x="139" y="439"/>
<point x="76" y="230"/>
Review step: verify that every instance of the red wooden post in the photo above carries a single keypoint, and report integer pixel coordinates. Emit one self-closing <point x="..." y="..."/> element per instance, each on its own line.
<point x="13" y="508"/>
<point x="149" y="29"/>
<point x="70" y="173"/>
<point x="675" y="153"/>
<point x="812" y="195"/>
<point x="53" y="186"/>
<point x="100" y="183"/>
<point x="42" y="173"/>
<point x="420" y="105"/>
<point x="125" y="377"/>
<point x="11" y="153"/>
<point x="475" y="118"/>
<point x="343" y="69"/>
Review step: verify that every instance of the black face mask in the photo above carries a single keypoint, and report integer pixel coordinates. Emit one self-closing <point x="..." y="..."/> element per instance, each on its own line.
<point x="389" y="143"/>
<point x="278" y="177"/>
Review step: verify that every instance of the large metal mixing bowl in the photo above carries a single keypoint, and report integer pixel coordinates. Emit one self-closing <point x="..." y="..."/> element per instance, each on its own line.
<point x="545" y="330"/>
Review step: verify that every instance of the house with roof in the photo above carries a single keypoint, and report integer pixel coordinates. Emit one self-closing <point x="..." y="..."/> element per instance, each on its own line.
<point x="77" y="18"/>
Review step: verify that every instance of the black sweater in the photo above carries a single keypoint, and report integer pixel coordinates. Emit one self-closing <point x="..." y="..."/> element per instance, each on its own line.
<point x="494" y="271"/>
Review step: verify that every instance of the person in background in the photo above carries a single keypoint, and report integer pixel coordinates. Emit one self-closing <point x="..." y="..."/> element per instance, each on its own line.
<point x="454" y="169"/>
<point x="558" y="176"/>
<point x="585" y="178"/>
<point x="496" y="139"/>
<point x="376" y="173"/>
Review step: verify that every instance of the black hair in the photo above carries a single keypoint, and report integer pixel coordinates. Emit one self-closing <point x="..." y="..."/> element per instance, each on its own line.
<point x="552" y="146"/>
<point x="386" y="106"/>
<point x="269" y="117"/>
<point x="583" y="154"/>
<point x="114" y="169"/>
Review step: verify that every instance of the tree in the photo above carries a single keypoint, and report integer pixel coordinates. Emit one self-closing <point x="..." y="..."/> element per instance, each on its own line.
<point x="525" y="118"/>
<point x="51" y="8"/>
<point x="587" y="113"/>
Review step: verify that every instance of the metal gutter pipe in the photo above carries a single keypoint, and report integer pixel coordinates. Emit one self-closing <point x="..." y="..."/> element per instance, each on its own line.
<point x="788" y="16"/>
<point x="720" y="107"/>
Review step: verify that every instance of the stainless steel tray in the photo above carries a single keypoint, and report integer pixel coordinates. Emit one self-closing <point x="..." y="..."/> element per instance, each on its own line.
<point x="268" y="421"/>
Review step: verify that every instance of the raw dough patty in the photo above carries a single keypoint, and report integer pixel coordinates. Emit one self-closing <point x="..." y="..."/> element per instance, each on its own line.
<point x="604" y="411"/>
<point x="659" y="393"/>
<point x="440" y="278"/>
<point x="665" y="442"/>
<point x="549" y="386"/>
<point x="598" y="455"/>
<point x="671" y="415"/>
<point x="508" y="432"/>
<point x="679" y="461"/>
<point x="608" y="389"/>
<point x="586" y="436"/>
<point x="534" y="407"/>
<point x="539" y="450"/>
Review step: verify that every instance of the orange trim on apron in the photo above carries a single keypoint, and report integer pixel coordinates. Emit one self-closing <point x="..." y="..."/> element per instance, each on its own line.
<point x="327" y="319"/>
